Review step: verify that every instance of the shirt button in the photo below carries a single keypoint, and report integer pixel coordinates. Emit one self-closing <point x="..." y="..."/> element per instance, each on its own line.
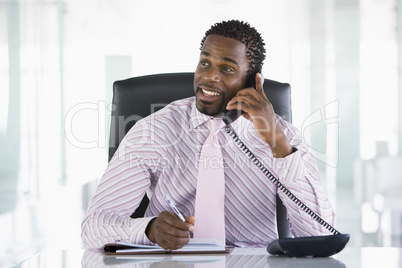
<point x="280" y="163"/>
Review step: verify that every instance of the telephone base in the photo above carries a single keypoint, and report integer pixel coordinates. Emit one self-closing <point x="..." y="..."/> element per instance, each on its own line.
<point x="312" y="246"/>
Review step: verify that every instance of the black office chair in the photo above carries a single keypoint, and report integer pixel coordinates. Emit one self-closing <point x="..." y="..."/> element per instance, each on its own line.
<point x="137" y="97"/>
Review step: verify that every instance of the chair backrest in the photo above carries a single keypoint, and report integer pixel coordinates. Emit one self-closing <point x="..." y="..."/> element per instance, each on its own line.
<point x="138" y="97"/>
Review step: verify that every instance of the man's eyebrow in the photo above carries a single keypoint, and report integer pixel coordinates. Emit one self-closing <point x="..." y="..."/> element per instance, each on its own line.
<point x="230" y="60"/>
<point x="224" y="58"/>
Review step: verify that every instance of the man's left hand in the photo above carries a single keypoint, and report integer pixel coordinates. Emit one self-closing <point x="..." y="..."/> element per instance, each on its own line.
<point x="258" y="109"/>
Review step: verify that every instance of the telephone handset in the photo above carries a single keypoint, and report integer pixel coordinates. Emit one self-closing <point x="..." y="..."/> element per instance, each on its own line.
<point x="319" y="246"/>
<point x="230" y="116"/>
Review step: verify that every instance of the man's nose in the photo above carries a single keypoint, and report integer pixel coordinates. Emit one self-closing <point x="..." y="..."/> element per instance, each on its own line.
<point x="212" y="74"/>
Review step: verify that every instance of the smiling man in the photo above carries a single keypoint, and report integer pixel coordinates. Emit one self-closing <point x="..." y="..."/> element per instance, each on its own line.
<point x="223" y="69"/>
<point x="169" y="144"/>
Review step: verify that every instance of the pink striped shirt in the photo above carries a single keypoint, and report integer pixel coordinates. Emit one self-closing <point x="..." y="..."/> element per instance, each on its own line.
<point x="160" y="155"/>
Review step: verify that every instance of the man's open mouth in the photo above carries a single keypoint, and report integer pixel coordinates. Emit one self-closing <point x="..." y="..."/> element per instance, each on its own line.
<point x="209" y="93"/>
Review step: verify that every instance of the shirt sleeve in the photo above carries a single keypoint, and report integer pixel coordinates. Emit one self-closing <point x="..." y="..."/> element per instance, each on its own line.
<point x="298" y="172"/>
<point x="127" y="178"/>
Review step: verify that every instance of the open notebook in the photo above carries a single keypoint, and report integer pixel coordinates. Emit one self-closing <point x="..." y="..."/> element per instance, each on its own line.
<point x="195" y="245"/>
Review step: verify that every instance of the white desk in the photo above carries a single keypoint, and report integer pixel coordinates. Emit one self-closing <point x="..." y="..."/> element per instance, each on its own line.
<point x="349" y="257"/>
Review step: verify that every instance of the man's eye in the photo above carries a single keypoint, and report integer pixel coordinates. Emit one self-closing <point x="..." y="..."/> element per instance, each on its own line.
<point x="203" y="63"/>
<point x="227" y="69"/>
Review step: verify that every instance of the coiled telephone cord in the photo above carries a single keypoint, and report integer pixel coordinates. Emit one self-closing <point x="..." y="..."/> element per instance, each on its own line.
<point x="286" y="191"/>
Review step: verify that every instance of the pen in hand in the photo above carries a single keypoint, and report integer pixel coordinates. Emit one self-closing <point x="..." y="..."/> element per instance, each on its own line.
<point x="173" y="206"/>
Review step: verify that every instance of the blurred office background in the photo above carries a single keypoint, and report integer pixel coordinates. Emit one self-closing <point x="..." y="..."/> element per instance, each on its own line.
<point x="59" y="58"/>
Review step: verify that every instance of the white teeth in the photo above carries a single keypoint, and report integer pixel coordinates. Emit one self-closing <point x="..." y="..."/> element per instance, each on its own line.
<point x="209" y="93"/>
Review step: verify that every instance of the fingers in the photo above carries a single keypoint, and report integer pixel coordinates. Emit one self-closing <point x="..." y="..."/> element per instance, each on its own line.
<point x="249" y="98"/>
<point x="170" y="231"/>
<point x="243" y="102"/>
<point x="170" y="242"/>
<point x="173" y="224"/>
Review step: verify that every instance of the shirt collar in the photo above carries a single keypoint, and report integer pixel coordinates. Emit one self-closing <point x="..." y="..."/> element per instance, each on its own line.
<point x="197" y="118"/>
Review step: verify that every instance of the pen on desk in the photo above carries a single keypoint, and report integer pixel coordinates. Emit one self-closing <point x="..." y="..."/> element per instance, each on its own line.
<point x="173" y="206"/>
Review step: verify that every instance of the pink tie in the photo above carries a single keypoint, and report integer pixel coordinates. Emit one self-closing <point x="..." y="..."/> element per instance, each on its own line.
<point x="210" y="195"/>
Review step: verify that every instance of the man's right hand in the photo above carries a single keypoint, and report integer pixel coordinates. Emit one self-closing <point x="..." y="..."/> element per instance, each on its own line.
<point x="168" y="231"/>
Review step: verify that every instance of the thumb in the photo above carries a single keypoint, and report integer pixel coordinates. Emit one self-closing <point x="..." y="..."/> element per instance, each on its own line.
<point x="190" y="219"/>
<point x="260" y="85"/>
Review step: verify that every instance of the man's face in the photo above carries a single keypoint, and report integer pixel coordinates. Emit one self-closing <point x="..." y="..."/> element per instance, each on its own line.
<point x="220" y="73"/>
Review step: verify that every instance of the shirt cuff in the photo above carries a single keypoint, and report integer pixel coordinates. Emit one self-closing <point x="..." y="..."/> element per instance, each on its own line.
<point x="137" y="231"/>
<point x="289" y="168"/>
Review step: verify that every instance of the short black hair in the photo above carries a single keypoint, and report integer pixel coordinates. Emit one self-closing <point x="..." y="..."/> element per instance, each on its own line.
<point x="243" y="32"/>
